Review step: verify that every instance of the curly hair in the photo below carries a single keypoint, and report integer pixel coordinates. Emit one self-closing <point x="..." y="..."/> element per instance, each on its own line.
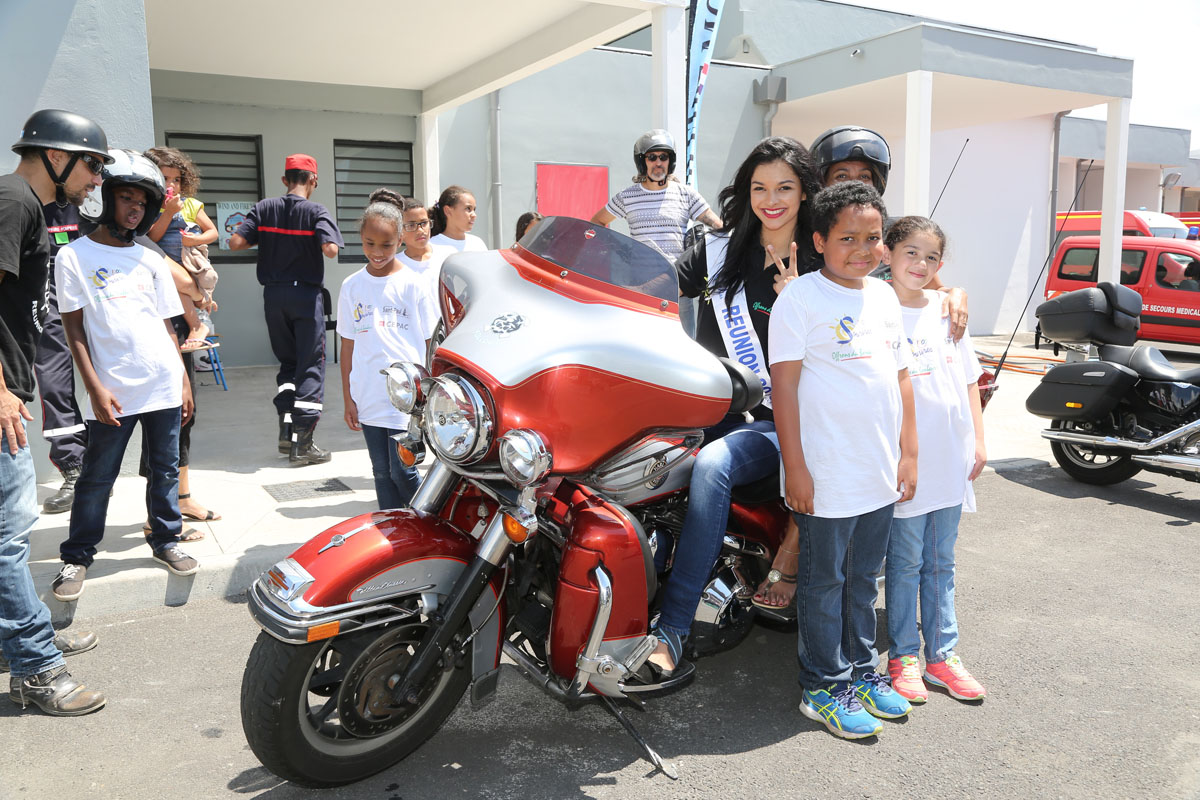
<point x="905" y="227"/>
<point x="829" y="203"/>
<point x="189" y="176"/>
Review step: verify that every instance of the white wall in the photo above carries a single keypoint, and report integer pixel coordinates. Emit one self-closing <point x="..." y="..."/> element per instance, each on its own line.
<point x="285" y="131"/>
<point x="995" y="212"/>
<point x="87" y="56"/>
<point x="1141" y="188"/>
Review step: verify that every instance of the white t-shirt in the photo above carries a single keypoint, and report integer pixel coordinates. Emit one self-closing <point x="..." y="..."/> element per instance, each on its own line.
<point x="658" y="217"/>
<point x="470" y="243"/>
<point x="125" y="294"/>
<point x="429" y="270"/>
<point x="388" y="319"/>
<point x="941" y="369"/>
<point x="849" y="392"/>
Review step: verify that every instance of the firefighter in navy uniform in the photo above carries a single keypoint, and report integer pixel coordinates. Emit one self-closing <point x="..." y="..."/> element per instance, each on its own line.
<point x="293" y="235"/>
<point x="62" y="423"/>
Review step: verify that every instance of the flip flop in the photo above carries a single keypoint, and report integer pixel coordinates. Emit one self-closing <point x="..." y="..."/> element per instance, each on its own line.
<point x="192" y="345"/>
<point x="767" y="585"/>
<point x="210" y="516"/>
<point x="185" y="535"/>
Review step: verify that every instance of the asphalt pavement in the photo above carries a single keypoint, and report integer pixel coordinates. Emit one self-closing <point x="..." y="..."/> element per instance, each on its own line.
<point x="1078" y="610"/>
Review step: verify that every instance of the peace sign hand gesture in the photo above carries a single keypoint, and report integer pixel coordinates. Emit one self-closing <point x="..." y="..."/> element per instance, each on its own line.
<point x="787" y="273"/>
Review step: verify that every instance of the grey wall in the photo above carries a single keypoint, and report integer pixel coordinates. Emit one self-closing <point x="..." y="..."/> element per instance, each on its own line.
<point x="284" y="131"/>
<point x="87" y="56"/>
<point x="1148" y="144"/>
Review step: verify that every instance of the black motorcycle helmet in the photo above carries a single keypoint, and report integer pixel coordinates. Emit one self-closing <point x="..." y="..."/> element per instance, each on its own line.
<point x="657" y="139"/>
<point x="52" y="129"/>
<point x="126" y="168"/>
<point x="851" y="143"/>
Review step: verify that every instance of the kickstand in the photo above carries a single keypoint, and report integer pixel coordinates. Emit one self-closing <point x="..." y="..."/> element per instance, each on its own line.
<point x="664" y="767"/>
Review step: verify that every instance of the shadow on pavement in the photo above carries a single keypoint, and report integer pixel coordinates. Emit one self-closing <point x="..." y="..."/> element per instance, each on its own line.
<point x="1133" y="493"/>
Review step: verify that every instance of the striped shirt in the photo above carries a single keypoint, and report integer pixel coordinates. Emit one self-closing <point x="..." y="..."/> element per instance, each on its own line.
<point x="658" y="218"/>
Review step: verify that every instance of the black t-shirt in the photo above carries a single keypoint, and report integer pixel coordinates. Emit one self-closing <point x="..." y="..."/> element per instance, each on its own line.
<point x="289" y="232"/>
<point x="24" y="260"/>
<point x="692" y="267"/>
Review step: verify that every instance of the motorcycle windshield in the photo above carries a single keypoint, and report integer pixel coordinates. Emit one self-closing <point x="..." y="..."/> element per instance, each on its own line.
<point x="596" y="252"/>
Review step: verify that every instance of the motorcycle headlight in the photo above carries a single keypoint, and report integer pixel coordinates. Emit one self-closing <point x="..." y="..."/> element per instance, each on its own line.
<point x="524" y="457"/>
<point x="404" y="384"/>
<point x="457" y="422"/>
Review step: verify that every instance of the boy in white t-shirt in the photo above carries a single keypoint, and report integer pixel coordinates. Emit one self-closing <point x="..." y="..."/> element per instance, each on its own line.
<point x="920" y="557"/>
<point x="384" y="315"/>
<point x="847" y="434"/>
<point x="117" y="299"/>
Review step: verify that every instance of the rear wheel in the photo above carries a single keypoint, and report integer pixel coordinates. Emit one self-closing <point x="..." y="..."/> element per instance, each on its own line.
<point x="1084" y="464"/>
<point x="321" y="714"/>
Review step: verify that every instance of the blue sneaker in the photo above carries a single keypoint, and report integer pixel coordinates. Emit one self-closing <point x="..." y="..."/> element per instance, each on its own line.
<point x="840" y="712"/>
<point x="877" y="696"/>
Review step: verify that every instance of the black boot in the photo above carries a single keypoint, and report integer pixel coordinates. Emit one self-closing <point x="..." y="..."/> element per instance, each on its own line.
<point x="304" y="451"/>
<point x="61" y="500"/>
<point x="55" y="692"/>
<point x="285" y="435"/>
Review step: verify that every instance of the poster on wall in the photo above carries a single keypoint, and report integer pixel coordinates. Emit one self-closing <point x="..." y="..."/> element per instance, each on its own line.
<point x="571" y="190"/>
<point x="229" y="217"/>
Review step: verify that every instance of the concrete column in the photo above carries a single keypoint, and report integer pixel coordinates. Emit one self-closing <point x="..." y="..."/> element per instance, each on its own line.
<point x="427" y="159"/>
<point x="669" y="72"/>
<point x="1112" y="206"/>
<point x="918" y="134"/>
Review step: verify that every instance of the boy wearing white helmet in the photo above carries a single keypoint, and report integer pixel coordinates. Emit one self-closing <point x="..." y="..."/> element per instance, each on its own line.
<point x="116" y="299"/>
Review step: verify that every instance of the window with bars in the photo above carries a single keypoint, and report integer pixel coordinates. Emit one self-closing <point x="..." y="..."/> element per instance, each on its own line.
<point x="230" y="171"/>
<point x="359" y="169"/>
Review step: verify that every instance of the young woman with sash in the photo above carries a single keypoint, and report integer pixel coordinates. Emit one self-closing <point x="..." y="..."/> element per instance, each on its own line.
<point x="737" y="273"/>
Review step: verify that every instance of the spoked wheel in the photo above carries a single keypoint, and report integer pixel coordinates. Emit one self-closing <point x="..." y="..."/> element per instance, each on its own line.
<point x="321" y="714"/>
<point x="1084" y="464"/>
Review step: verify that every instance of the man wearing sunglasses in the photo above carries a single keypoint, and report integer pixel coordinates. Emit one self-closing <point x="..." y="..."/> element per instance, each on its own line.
<point x="61" y="157"/>
<point x="657" y="207"/>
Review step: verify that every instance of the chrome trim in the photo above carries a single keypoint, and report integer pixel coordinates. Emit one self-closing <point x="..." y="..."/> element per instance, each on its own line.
<point x="296" y="580"/>
<point x="405" y="377"/>
<point x="431" y="495"/>
<point x="539" y="674"/>
<point x="339" y="539"/>
<point x="1181" y="463"/>
<point x="268" y="608"/>
<point x="494" y="544"/>
<point x="484" y="424"/>
<point x="1113" y="443"/>
<point x="745" y="547"/>
<point x="690" y="443"/>
<point x="596" y="636"/>
<point x="539" y="456"/>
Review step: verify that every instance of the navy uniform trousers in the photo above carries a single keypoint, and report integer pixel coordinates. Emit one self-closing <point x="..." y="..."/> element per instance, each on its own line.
<point x="296" y="325"/>
<point x="62" y="424"/>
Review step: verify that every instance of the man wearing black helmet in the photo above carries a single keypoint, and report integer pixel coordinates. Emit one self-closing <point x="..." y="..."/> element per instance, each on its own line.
<point x="657" y="207"/>
<point x="851" y="153"/>
<point x="58" y="161"/>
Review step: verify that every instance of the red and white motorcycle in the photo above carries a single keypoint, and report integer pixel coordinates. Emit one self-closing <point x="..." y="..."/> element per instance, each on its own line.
<point x="564" y="409"/>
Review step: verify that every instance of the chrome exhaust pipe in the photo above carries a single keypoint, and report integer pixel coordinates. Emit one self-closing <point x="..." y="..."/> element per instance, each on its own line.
<point x="1180" y="463"/>
<point x="1115" y="443"/>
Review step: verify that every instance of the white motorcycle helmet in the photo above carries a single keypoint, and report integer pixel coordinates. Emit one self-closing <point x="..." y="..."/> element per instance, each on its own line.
<point x="128" y="168"/>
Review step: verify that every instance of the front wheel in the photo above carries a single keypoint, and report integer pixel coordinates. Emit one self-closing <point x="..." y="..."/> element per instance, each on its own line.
<point x="1086" y="465"/>
<point x="321" y="715"/>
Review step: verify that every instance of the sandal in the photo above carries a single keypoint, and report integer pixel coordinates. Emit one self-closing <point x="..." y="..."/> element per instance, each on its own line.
<point x="674" y="643"/>
<point x="192" y="345"/>
<point x="185" y="535"/>
<point x="764" y="590"/>
<point x="209" y="515"/>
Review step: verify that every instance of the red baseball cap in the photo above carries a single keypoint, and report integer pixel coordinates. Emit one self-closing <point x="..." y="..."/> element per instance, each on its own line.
<point x="300" y="161"/>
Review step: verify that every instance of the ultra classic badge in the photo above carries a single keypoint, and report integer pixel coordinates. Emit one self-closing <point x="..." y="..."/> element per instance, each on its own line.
<point x="507" y="323"/>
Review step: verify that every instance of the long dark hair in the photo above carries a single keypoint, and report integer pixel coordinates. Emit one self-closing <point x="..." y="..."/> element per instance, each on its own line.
<point x="744" y="227"/>
<point x="450" y="196"/>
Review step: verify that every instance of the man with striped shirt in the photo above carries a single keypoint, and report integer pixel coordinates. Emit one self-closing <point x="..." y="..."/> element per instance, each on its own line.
<point x="657" y="207"/>
<point x="293" y="233"/>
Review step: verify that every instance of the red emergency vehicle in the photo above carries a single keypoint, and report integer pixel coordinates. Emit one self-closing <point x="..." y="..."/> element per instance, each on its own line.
<point x="1165" y="272"/>
<point x="1137" y="222"/>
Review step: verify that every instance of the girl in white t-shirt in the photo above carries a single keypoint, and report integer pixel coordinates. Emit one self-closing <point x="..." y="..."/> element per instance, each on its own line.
<point x="384" y="315"/>
<point x="420" y="254"/>
<point x="453" y="216"/>
<point x="920" y="556"/>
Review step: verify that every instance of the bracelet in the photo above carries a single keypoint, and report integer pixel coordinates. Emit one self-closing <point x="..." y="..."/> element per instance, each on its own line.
<point x="791" y="552"/>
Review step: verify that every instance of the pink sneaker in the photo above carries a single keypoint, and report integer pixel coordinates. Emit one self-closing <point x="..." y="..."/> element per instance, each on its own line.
<point x="905" y="672"/>
<point x="954" y="678"/>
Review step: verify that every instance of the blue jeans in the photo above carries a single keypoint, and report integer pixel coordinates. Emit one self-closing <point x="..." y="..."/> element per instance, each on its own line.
<point x="26" y="635"/>
<point x="921" y="554"/>
<point x="745" y="454"/>
<point x="835" y="595"/>
<point x="101" y="465"/>
<point x="395" y="484"/>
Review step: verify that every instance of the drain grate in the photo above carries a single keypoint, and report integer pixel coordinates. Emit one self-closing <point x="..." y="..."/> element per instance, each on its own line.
<point x="306" y="490"/>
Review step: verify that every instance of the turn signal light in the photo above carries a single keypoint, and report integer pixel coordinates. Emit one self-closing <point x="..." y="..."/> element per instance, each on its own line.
<point x="515" y="531"/>
<point x="406" y="456"/>
<point x="325" y="631"/>
<point x="1074" y="405"/>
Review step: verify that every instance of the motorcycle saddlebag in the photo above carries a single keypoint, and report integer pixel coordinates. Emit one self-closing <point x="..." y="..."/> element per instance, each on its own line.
<point x="1103" y="314"/>
<point x="1084" y="390"/>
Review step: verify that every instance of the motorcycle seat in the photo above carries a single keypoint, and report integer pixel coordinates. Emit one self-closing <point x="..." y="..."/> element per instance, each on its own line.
<point x="1149" y="363"/>
<point x="747" y="391"/>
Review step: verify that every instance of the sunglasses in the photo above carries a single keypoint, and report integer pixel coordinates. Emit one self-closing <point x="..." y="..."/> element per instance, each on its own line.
<point x="658" y="157"/>
<point x="92" y="163"/>
<point x="416" y="226"/>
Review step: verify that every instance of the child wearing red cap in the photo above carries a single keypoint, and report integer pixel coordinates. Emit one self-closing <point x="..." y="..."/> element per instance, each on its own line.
<point x="293" y="234"/>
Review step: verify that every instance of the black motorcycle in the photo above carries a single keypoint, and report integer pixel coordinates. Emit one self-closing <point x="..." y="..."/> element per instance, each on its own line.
<point x="1126" y="408"/>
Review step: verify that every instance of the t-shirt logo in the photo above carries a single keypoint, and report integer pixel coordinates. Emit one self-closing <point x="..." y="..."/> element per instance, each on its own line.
<point x="843" y="331"/>
<point x="358" y="312"/>
<point x="102" y="276"/>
